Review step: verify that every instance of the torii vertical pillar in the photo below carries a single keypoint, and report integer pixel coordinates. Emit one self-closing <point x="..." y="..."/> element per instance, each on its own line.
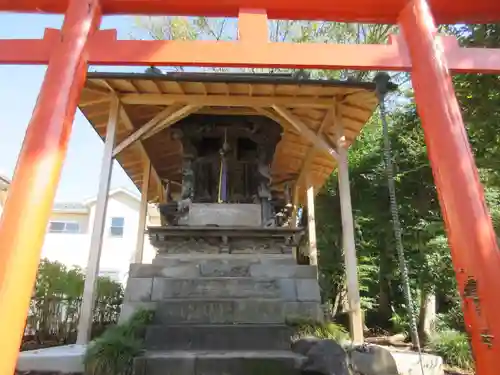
<point x="29" y="204"/>
<point x="470" y="231"/>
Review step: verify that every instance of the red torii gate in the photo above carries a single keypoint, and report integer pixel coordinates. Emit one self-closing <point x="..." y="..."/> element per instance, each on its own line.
<point x="429" y="58"/>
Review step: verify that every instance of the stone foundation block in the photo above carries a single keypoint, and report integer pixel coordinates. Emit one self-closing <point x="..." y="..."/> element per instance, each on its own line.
<point x="163" y="363"/>
<point x="219" y="337"/>
<point x="225" y="268"/>
<point x="258" y="311"/>
<point x="195" y="312"/>
<point x="217" y="363"/>
<point x="214" y="288"/>
<point x="139" y="289"/>
<point x="308" y="290"/>
<point x="283" y="271"/>
<point x="189" y="270"/>
<point x="303" y="310"/>
<point x="129" y="308"/>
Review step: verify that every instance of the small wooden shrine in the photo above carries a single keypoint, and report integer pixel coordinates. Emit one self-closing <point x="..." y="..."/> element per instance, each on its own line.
<point x="231" y="155"/>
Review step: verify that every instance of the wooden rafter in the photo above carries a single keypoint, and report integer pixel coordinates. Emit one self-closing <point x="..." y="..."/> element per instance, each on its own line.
<point x="100" y="100"/>
<point x="130" y="126"/>
<point x="317" y="140"/>
<point x="172" y="119"/>
<point x="168" y="116"/>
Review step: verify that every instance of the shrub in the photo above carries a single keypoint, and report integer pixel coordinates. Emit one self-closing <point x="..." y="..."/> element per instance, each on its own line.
<point x="454" y="347"/>
<point x="113" y="353"/>
<point x="324" y="330"/>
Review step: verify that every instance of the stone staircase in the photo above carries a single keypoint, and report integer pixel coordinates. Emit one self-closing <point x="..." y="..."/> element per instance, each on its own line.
<point x="221" y="314"/>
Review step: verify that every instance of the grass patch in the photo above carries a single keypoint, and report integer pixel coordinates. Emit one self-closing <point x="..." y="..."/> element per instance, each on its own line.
<point x="323" y="330"/>
<point x="454" y="347"/>
<point x="113" y="353"/>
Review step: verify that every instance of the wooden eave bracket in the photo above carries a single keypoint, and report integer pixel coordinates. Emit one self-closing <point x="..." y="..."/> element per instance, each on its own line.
<point x="162" y="120"/>
<point x="317" y="140"/>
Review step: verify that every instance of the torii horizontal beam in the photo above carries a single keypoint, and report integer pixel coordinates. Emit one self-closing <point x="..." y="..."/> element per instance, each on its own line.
<point x="106" y="49"/>
<point x="366" y="11"/>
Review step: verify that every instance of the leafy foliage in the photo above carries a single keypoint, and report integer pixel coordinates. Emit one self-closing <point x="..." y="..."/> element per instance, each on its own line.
<point x="324" y="330"/>
<point x="55" y="304"/>
<point x="113" y="353"/>
<point x="454" y="347"/>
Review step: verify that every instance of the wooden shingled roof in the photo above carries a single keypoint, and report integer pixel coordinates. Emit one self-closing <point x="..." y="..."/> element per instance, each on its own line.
<point x="305" y="109"/>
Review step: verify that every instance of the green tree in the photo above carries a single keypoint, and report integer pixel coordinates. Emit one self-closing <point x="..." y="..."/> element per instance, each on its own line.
<point x="55" y="304"/>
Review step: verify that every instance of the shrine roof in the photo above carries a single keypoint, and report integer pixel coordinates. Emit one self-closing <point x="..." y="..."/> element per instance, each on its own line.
<point x="151" y="103"/>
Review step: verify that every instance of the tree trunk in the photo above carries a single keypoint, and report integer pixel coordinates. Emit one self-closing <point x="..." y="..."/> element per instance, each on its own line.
<point x="427" y="315"/>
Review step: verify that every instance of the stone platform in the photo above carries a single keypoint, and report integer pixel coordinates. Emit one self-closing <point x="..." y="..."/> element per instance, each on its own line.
<point x="222" y="313"/>
<point x="223" y="289"/>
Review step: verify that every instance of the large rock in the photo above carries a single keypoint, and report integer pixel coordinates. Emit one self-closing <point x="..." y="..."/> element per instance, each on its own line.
<point x="324" y="357"/>
<point x="373" y="360"/>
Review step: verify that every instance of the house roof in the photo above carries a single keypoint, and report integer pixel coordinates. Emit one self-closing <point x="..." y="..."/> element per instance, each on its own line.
<point x="83" y="206"/>
<point x="169" y="98"/>
<point x="113" y="192"/>
<point x="74" y="207"/>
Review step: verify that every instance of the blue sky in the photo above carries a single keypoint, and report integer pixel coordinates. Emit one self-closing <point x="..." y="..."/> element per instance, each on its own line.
<point x="18" y="92"/>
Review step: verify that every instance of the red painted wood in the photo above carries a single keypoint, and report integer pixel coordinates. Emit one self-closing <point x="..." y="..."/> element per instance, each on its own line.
<point x="370" y="11"/>
<point x="470" y="231"/>
<point x="104" y="49"/>
<point x="31" y="195"/>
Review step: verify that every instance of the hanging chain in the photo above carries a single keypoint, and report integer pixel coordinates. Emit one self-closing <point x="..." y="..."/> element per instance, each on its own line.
<point x="382" y="82"/>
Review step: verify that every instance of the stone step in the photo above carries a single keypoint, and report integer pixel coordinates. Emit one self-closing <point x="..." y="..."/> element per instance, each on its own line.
<point x="223" y="268"/>
<point x="224" y="311"/>
<point x="219" y="337"/>
<point x="229" y="287"/>
<point x="217" y="363"/>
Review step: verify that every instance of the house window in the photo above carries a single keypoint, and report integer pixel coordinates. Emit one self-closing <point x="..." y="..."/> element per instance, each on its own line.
<point x="64" y="227"/>
<point x="117" y="224"/>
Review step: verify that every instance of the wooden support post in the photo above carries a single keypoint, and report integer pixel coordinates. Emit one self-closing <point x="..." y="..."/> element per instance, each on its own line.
<point x="311" y="224"/>
<point x="163" y="199"/>
<point x="92" y="271"/>
<point x="348" y="243"/>
<point x="31" y="196"/>
<point x="295" y="203"/>
<point x="143" y="212"/>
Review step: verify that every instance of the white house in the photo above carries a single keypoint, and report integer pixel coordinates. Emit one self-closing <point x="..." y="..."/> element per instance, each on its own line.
<point x="70" y="228"/>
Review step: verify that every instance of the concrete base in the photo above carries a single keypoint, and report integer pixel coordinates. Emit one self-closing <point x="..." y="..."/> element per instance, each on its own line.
<point x="408" y="363"/>
<point x="379" y="360"/>
<point x="227" y="214"/>
<point x="60" y="359"/>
